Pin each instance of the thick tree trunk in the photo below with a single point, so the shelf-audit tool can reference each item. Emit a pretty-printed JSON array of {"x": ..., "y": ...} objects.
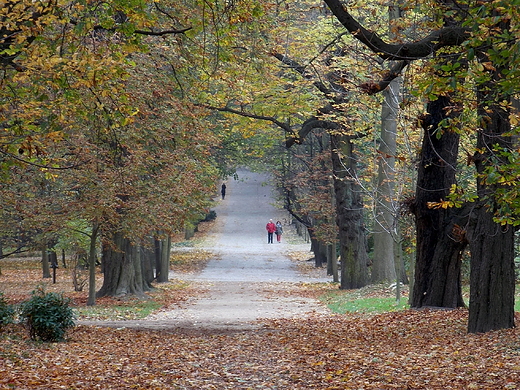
[
  {"x": 148, "y": 261},
  {"x": 439, "y": 247},
  {"x": 349, "y": 207},
  {"x": 163, "y": 275},
  {"x": 492, "y": 279},
  {"x": 320, "y": 252},
  {"x": 383, "y": 267},
  {"x": 492, "y": 276},
  {"x": 122, "y": 269}
]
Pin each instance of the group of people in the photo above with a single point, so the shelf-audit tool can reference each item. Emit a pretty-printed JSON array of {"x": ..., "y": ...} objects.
[{"x": 274, "y": 228}]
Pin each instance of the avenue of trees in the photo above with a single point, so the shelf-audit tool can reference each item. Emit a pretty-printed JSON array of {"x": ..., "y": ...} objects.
[{"x": 391, "y": 129}]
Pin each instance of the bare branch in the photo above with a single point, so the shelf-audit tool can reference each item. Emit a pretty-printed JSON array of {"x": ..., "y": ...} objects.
[
  {"x": 301, "y": 70},
  {"x": 271, "y": 119},
  {"x": 309, "y": 125}
]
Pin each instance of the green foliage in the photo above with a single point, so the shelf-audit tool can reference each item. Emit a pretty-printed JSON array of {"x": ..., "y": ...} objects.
[
  {"x": 358, "y": 302},
  {"x": 6, "y": 311},
  {"x": 47, "y": 315}
]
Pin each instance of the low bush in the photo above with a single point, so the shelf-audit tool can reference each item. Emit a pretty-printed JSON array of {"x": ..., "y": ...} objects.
[
  {"x": 47, "y": 315},
  {"x": 6, "y": 311}
]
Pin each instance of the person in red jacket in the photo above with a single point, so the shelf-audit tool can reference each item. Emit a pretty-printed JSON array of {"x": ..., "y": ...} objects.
[{"x": 271, "y": 228}]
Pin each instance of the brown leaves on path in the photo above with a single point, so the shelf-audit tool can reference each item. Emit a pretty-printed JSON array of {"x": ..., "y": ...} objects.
[{"x": 400, "y": 350}]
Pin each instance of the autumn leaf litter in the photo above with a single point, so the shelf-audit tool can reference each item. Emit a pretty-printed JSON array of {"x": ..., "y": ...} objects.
[{"x": 398, "y": 350}]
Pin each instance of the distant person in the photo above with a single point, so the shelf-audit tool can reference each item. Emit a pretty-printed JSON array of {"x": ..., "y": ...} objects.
[
  {"x": 271, "y": 228},
  {"x": 223, "y": 190},
  {"x": 278, "y": 231}
]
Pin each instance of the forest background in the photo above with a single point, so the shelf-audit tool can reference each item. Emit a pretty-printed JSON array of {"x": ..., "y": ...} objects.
[{"x": 118, "y": 119}]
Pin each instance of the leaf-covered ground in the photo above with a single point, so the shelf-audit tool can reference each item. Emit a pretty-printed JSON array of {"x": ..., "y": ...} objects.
[{"x": 400, "y": 350}]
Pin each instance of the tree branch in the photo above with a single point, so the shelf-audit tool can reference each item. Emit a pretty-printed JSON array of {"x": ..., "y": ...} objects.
[
  {"x": 301, "y": 70},
  {"x": 309, "y": 125},
  {"x": 447, "y": 36},
  {"x": 375, "y": 87},
  {"x": 143, "y": 32},
  {"x": 271, "y": 119},
  {"x": 164, "y": 32}
]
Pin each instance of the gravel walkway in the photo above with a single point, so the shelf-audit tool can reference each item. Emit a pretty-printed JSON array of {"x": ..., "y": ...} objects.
[{"x": 248, "y": 279}]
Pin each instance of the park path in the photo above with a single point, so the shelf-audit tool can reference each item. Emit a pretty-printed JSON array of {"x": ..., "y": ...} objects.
[{"x": 248, "y": 279}]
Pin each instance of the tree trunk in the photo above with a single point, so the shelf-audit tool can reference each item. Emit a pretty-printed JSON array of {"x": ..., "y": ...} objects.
[
  {"x": 63, "y": 260},
  {"x": 320, "y": 252},
  {"x": 122, "y": 269},
  {"x": 439, "y": 250},
  {"x": 148, "y": 260},
  {"x": 492, "y": 277},
  {"x": 383, "y": 266},
  {"x": 349, "y": 207},
  {"x": 163, "y": 275},
  {"x": 46, "y": 271},
  {"x": 157, "y": 252},
  {"x": 91, "y": 301}
]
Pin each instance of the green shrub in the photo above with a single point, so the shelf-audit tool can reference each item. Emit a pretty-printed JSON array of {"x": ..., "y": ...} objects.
[
  {"x": 6, "y": 311},
  {"x": 47, "y": 315}
]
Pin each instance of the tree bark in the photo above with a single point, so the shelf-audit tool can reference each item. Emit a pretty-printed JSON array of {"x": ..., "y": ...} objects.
[
  {"x": 439, "y": 250},
  {"x": 163, "y": 275},
  {"x": 122, "y": 269},
  {"x": 46, "y": 272},
  {"x": 157, "y": 248},
  {"x": 492, "y": 278},
  {"x": 383, "y": 266},
  {"x": 91, "y": 301},
  {"x": 349, "y": 207},
  {"x": 148, "y": 261},
  {"x": 320, "y": 252}
]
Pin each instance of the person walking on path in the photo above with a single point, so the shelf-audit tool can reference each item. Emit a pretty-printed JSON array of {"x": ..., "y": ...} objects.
[
  {"x": 223, "y": 190},
  {"x": 271, "y": 228},
  {"x": 279, "y": 231}
]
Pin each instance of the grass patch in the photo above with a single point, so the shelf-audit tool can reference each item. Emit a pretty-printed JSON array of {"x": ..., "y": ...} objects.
[
  {"x": 366, "y": 305},
  {"x": 134, "y": 308},
  {"x": 379, "y": 299},
  {"x": 370, "y": 299}
]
